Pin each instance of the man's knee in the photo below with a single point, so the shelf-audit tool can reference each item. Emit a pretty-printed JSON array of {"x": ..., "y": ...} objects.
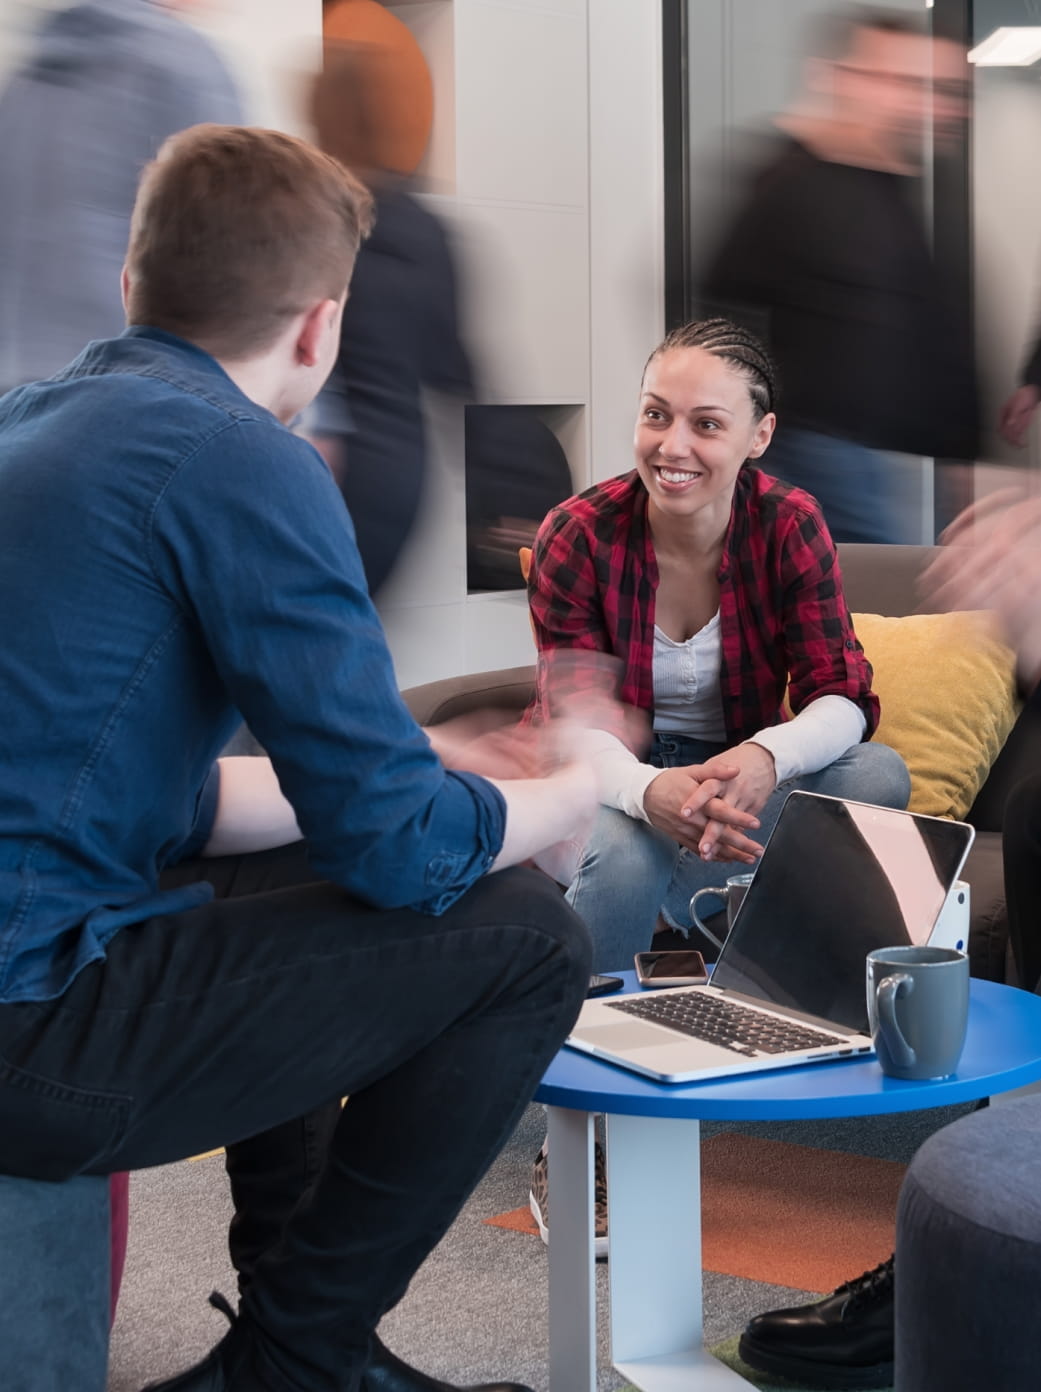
[{"x": 528, "y": 898}]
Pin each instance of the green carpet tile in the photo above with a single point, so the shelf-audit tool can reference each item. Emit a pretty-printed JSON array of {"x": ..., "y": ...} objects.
[{"x": 727, "y": 1353}]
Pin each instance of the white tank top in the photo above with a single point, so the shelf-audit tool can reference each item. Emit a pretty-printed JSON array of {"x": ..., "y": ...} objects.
[{"x": 686, "y": 683}]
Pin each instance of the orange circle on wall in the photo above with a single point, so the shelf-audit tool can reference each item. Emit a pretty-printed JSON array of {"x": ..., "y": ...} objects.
[{"x": 402, "y": 92}]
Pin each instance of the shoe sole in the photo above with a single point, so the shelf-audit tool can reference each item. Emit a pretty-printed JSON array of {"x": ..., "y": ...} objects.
[
  {"x": 599, "y": 1243},
  {"x": 836, "y": 1377}
]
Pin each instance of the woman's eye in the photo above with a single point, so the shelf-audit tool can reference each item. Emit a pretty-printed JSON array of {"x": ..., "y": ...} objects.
[
  {"x": 708, "y": 425},
  {"x": 652, "y": 415}
]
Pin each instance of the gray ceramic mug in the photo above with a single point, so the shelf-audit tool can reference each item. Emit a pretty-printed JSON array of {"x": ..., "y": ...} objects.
[
  {"x": 918, "y": 1009},
  {"x": 731, "y": 895}
]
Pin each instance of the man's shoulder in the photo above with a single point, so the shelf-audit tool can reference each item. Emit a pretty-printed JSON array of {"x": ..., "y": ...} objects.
[
  {"x": 786, "y": 168},
  {"x": 163, "y": 396}
]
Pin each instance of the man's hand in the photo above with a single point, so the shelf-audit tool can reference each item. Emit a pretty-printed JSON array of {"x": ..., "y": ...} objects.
[
  {"x": 1016, "y": 413},
  {"x": 684, "y": 802},
  {"x": 551, "y": 797},
  {"x": 991, "y": 559},
  {"x": 490, "y": 743}
]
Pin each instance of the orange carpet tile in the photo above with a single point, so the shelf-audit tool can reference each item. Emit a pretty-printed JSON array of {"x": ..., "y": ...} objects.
[{"x": 786, "y": 1214}]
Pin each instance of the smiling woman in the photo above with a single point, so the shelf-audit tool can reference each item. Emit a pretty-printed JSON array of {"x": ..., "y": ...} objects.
[{"x": 713, "y": 588}]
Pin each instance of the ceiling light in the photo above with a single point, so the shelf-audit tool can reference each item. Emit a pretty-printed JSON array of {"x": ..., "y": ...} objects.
[{"x": 1008, "y": 48}]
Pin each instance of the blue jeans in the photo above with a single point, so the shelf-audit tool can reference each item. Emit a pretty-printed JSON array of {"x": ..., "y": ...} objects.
[{"x": 630, "y": 871}]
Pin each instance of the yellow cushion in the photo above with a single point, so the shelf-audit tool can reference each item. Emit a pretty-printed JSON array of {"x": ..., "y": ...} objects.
[{"x": 948, "y": 693}]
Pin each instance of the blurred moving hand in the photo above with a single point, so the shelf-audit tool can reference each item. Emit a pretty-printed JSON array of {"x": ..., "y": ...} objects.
[
  {"x": 1016, "y": 414},
  {"x": 520, "y": 759},
  {"x": 991, "y": 559}
]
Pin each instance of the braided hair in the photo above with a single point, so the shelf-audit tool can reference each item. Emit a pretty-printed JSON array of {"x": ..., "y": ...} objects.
[{"x": 736, "y": 346}]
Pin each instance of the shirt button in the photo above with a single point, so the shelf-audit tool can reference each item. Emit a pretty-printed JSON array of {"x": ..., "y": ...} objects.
[{"x": 850, "y": 645}]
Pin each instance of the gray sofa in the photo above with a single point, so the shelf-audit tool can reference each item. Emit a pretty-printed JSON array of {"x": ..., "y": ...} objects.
[{"x": 878, "y": 580}]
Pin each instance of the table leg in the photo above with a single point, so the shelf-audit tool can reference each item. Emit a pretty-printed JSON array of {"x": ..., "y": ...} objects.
[
  {"x": 572, "y": 1266},
  {"x": 654, "y": 1262}
]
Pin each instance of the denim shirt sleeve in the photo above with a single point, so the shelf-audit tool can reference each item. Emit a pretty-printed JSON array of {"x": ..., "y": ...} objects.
[{"x": 253, "y": 542}]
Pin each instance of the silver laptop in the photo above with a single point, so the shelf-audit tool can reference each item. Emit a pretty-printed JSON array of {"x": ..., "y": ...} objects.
[{"x": 836, "y": 880}]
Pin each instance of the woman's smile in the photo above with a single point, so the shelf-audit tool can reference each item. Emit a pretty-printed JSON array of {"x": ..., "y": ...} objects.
[{"x": 673, "y": 478}]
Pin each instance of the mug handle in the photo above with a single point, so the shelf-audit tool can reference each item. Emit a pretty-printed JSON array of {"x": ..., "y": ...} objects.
[
  {"x": 717, "y": 892},
  {"x": 889, "y": 990}
]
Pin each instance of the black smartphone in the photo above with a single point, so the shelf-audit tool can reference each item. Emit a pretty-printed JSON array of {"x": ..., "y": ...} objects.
[
  {"x": 603, "y": 985},
  {"x": 684, "y": 967}
]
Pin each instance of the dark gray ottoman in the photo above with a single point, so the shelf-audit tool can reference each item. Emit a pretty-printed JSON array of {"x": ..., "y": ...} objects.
[{"x": 968, "y": 1256}]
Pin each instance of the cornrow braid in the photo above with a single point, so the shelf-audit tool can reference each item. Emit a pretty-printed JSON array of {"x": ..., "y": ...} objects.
[{"x": 736, "y": 346}]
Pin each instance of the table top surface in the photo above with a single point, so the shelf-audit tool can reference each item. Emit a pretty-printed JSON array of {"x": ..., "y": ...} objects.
[{"x": 1002, "y": 1052}]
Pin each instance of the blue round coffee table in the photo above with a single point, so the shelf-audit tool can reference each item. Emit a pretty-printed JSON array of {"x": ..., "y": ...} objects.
[{"x": 653, "y": 1140}]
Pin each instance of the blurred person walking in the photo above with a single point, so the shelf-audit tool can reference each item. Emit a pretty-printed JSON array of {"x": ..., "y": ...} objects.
[
  {"x": 828, "y": 261},
  {"x": 400, "y": 329},
  {"x": 105, "y": 83}
]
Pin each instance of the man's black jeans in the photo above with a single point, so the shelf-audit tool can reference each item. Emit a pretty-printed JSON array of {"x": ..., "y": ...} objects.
[{"x": 211, "y": 1027}]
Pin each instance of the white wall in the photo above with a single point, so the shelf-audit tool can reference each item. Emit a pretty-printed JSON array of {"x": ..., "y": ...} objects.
[
  {"x": 272, "y": 46},
  {"x": 626, "y": 234},
  {"x": 1007, "y": 209}
]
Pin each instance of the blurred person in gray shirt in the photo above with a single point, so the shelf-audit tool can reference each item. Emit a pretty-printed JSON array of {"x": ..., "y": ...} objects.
[{"x": 104, "y": 84}]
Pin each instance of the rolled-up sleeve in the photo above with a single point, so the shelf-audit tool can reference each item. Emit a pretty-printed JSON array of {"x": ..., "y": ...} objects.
[{"x": 252, "y": 540}]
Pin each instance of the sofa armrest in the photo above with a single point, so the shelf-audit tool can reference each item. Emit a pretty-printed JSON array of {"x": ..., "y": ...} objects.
[{"x": 509, "y": 690}]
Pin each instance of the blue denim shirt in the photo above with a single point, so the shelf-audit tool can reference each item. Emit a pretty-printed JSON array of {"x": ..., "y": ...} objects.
[{"x": 170, "y": 553}]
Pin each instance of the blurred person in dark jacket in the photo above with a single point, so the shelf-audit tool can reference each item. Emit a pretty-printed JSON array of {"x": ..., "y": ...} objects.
[
  {"x": 828, "y": 260},
  {"x": 105, "y": 82},
  {"x": 400, "y": 327}
]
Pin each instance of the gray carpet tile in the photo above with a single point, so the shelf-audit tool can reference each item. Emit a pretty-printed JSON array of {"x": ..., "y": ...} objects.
[{"x": 477, "y": 1308}]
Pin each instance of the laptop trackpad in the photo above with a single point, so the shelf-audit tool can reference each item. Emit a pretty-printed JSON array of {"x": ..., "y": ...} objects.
[{"x": 624, "y": 1038}]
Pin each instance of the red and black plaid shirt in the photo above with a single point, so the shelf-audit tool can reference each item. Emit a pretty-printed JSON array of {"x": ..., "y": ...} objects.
[{"x": 783, "y": 616}]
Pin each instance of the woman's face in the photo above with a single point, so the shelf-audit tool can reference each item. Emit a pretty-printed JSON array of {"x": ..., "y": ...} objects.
[{"x": 695, "y": 429}]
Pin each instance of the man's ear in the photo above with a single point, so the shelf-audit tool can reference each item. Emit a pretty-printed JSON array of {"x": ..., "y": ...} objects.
[{"x": 321, "y": 320}]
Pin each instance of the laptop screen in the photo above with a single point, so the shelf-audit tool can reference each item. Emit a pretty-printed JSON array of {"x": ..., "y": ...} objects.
[{"x": 837, "y": 880}]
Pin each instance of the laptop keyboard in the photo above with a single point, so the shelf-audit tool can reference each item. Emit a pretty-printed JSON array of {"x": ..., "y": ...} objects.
[{"x": 723, "y": 1022}]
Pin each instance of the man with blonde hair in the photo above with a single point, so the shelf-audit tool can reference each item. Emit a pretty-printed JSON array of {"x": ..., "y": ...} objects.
[{"x": 171, "y": 554}]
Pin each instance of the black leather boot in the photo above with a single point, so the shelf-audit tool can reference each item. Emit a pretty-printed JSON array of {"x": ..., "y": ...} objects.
[
  {"x": 226, "y": 1368},
  {"x": 387, "y": 1373},
  {"x": 842, "y": 1341}
]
